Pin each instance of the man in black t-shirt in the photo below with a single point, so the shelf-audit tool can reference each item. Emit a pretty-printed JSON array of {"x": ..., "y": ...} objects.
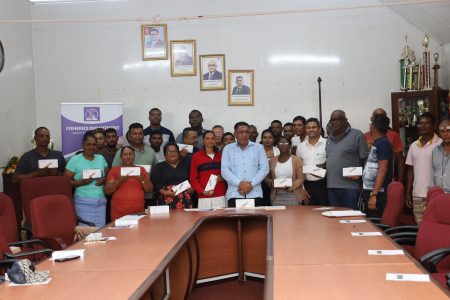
[
  {"x": 28, "y": 165},
  {"x": 377, "y": 172},
  {"x": 155, "y": 117}
]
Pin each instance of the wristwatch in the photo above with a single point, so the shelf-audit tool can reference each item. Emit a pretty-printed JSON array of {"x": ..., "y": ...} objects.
[{"x": 373, "y": 194}]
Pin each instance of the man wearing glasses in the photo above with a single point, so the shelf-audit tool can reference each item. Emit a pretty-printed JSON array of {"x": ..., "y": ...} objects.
[
  {"x": 440, "y": 171},
  {"x": 244, "y": 166},
  {"x": 345, "y": 148},
  {"x": 212, "y": 74}
]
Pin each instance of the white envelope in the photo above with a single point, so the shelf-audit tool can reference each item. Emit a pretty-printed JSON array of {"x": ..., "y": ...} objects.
[
  {"x": 282, "y": 182},
  {"x": 189, "y": 148},
  {"x": 181, "y": 187},
  {"x": 212, "y": 181},
  {"x": 48, "y": 163},
  {"x": 319, "y": 172},
  {"x": 245, "y": 203},
  {"x": 130, "y": 171},
  {"x": 146, "y": 167},
  {"x": 353, "y": 171},
  {"x": 307, "y": 169},
  {"x": 314, "y": 170},
  {"x": 92, "y": 173}
]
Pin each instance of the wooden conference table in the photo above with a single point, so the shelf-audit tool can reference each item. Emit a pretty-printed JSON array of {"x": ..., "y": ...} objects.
[{"x": 302, "y": 254}]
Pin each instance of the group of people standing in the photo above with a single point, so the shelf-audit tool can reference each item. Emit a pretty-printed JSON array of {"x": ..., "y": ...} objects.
[{"x": 298, "y": 153}]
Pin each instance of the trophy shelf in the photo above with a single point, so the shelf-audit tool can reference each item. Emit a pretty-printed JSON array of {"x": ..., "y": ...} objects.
[{"x": 408, "y": 106}]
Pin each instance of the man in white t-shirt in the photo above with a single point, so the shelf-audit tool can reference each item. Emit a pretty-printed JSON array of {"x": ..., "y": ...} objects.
[{"x": 418, "y": 165}]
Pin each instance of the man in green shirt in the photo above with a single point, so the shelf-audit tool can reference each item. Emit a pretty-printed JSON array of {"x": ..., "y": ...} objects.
[{"x": 144, "y": 155}]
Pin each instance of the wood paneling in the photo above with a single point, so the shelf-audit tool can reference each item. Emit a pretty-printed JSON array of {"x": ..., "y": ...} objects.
[
  {"x": 254, "y": 239},
  {"x": 218, "y": 247}
]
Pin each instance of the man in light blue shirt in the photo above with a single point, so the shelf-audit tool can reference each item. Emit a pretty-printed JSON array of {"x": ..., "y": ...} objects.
[{"x": 244, "y": 166}]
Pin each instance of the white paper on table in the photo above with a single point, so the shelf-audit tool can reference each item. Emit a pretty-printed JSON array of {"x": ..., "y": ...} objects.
[
  {"x": 245, "y": 203},
  {"x": 386, "y": 252},
  {"x": 352, "y": 171},
  {"x": 67, "y": 253},
  {"x": 48, "y": 163},
  {"x": 189, "y": 148},
  {"x": 92, "y": 173},
  {"x": 198, "y": 209},
  {"x": 121, "y": 227},
  {"x": 367, "y": 233},
  {"x": 352, "y": 221},
  {"x": 212, "y": 181},
  {"x": 130, "y": 171},
  {"x": 276, "y": 207},
  {"x": 159, "y": 209},
  {"x": 128, "y": 220},
  {"x": 181, "y": 187},
  {"x": 323, "y": 208},
  {"x": 282, "y": 182},
  {"x": 343, "y": 213},
  {"x": 408, "y": 277},
  {"x": 146, "y": 167}
]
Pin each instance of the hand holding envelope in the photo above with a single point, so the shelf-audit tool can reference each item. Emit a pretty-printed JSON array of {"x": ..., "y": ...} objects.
[{"x": 353, "y": 173}]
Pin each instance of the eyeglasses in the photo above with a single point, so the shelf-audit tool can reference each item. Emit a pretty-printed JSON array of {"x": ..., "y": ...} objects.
[
  {"x": 336, "y": 119},
  {"x": 212, "y": 65},
  {"x": 283, "y": 144},
  {"x": 243, "y": 132}
]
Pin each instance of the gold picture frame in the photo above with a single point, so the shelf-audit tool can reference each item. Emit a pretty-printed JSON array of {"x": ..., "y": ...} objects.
[
  {"x": 212, "y": 72},
  {"x": 241, "y": 87},
  {"x": 154, "y": 41},
  {"x": 183, "y": 58}
]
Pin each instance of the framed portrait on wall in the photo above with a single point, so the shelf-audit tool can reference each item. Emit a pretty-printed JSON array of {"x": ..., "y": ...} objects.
[
  {"x": 183, "y": 58},
  {"x": 241, "y": 87},
  {"x": 212, "y": 72},
  {"x": 154, "y": 41}
]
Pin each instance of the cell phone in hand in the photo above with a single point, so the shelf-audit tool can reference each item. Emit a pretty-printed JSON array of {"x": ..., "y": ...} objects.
[{"x": 71, "y": 257}]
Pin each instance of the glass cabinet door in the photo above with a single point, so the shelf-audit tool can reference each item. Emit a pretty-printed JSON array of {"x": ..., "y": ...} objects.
[{"x": 409, "y": 111}]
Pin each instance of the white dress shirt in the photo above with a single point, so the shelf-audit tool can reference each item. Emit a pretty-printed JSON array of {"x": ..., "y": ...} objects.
[{"x": 312, "y": 155}]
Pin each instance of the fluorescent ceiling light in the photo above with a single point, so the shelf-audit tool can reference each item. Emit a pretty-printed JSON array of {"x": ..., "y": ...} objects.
[
  {"x": 304, "y": 59},
  {"x": 66, "y": 1}
]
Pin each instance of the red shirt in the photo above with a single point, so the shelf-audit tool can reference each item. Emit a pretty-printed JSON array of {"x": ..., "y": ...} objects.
[
  {"x": 202, "y": 166},
  {"x": 392, "y": 136},
  {"x": 128, "y": 197}
]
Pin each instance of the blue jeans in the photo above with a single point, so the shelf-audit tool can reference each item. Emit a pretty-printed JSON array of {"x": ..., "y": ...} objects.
[{"x": 343, "y": 197}]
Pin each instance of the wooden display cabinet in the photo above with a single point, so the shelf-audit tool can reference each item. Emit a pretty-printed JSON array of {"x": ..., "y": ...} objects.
[{"x": 408, "y": 106}]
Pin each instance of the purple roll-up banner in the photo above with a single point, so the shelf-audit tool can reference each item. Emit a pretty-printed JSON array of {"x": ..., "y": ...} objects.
[{"x": 77, "y": 118}]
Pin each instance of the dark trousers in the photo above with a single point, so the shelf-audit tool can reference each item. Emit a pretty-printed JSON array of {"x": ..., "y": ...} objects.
[
  {"x": 343, "y": 197},
  {"x": 258, "y": 201},
  {"x": 381, "y": 204},
  {"x": 318, "y": 193},
  {"x": 266, "y": 194}
]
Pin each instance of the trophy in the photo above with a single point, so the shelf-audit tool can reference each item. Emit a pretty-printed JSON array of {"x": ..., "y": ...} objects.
[
  {"x": 436, "y": 67},
  {"x": 405, "y": 61},
  {"x": 426, "y": 63},
  {"x": 403, "y": 116},
  {"x": 420, "y": 106}
]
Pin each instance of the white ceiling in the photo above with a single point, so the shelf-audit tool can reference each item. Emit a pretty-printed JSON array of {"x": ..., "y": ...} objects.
[{"x": 433, "y": 17}]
